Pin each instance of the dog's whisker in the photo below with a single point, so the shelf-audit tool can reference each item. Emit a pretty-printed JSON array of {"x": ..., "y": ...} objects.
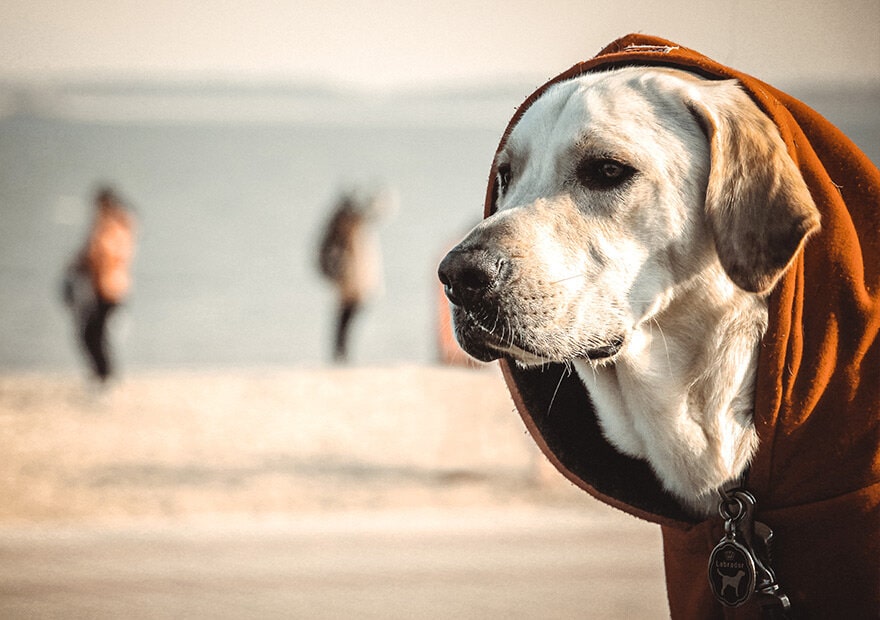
[
  {"x": 665, "y": 344},
  {"x": 566, "y": 279},
  {"x": 497, "y": 316},
  {"x": 566, "y": 372}
]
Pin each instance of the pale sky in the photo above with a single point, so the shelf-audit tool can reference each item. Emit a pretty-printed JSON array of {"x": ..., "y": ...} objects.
[{"x": 376, "y": 43}]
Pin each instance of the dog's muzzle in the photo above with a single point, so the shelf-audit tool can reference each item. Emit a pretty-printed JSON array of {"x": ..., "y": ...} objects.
[{"x": 492, "y": 319}]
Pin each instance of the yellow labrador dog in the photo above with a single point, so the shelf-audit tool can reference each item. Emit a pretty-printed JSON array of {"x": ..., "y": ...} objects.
[{"x": 641, "y": 216}]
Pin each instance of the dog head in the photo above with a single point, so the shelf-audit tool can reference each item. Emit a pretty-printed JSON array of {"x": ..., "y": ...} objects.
[{"x": 614, "y": 192}]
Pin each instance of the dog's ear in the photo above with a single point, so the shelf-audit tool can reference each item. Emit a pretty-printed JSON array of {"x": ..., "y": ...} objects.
[{"x": 757, "y": 203}]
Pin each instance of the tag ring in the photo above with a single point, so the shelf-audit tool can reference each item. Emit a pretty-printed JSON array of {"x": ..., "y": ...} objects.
[{"x": 731, "y": 508}]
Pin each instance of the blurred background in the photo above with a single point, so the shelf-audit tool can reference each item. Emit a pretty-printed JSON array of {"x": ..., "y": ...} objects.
[
  {"x": 231, "y": 130},
  {"x": 230, "y": 450}
]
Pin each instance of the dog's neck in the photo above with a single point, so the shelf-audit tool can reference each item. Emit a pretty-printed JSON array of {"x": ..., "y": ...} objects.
[{"x": 680, "y": 395}]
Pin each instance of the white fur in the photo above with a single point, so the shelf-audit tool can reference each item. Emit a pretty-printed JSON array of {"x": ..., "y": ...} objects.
[{"x": 639, "y": 263}]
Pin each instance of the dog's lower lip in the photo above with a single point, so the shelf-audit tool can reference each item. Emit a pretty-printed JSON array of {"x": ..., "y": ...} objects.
[
  {"x": 604, "y": 352},
  {"x": 506, "y": 347}
]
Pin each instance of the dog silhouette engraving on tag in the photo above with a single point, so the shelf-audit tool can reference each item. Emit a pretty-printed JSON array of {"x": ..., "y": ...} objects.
[{"x": 731, "y": 573}]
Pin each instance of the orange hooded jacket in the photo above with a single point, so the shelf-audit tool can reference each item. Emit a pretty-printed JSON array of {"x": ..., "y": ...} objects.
[
  {"x": 108, "y": 254},
  {"x": 816, "y": 474}
]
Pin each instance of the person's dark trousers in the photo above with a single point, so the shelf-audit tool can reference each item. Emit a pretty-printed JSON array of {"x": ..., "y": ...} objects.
[
  {"x": 94, "y": 336},
  {"x": 346, "y": 312}
]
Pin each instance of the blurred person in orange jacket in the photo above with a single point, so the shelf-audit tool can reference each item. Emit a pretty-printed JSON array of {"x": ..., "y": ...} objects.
[{"x": 99, "y": 278}]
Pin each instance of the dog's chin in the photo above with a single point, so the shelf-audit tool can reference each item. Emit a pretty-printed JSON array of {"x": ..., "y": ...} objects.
[
  {"x": 480, "y": 351},
  {"x": 599, "y": 356},
  {"x": 485, "y": 346}
]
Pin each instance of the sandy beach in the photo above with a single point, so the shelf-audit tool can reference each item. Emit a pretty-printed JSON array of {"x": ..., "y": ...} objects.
[{"x": 387, "y": 492}]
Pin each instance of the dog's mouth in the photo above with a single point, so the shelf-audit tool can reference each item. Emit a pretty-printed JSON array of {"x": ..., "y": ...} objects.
[
  {"x": 479, "y": 341},
  {"x": 606, "y": 351},
  {"x": 488, "y": 343}
]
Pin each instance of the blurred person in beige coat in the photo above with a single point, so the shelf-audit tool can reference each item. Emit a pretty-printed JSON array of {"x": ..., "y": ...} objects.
[{"x": 350, "y": 257}]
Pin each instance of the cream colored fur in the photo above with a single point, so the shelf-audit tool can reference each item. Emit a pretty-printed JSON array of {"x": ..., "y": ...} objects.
[{"x": 675, "y": 263}]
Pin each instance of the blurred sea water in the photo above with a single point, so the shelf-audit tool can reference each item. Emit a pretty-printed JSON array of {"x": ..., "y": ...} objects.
[{"x": 232, "y": 186}]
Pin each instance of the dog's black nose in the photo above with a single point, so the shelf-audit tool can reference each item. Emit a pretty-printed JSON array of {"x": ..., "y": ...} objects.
[{"x": 468, "y": 274}]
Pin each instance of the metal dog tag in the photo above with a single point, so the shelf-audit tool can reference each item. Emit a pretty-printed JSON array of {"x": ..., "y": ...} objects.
[
  {"x": 739, "y": 565},
  {"x": 731, "y": 573},
  {"x": 732, "y": 568}
]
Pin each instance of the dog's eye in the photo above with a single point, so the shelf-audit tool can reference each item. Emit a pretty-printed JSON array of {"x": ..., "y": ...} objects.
[
  {"x": 503, "y": 178},
  {"x": 604, "y": 173}
]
